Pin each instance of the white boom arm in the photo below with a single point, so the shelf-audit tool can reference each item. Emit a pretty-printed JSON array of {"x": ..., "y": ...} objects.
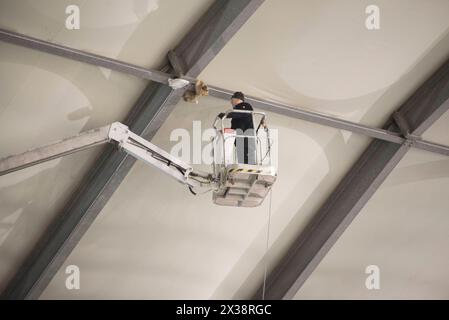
[
  {"x": 125, "y": 139},
  {"x": 149, "y": 153}
]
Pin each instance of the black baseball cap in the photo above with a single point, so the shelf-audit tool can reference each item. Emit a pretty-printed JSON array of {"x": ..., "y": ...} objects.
[{"x": 238, "y": 95}]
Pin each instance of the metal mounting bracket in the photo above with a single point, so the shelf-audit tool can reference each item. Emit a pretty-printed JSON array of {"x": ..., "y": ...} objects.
[{"x": 403, "y": 126}]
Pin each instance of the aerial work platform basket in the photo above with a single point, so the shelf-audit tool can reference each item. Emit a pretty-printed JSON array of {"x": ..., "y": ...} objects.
[{"x": 242, "y": 184}]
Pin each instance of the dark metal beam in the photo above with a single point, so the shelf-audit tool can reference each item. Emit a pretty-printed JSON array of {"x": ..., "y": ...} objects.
[
  {"x": 422, "y": 109},
  {"x": 179, "y": 66},
  {"x": 384, "y": 133},
  {"x": 222, "y": 20},
  {"x": 82, "y": 56}
]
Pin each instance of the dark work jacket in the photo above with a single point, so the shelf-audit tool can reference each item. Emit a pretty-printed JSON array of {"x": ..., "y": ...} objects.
[{"x": 241, "y": 121}]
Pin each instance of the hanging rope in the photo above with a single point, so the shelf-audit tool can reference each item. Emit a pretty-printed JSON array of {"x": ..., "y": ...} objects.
[{"x": 266, "y": 248}]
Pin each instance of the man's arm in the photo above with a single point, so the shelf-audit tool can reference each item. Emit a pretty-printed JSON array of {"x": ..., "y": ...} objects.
[{"x": 233, "y": 115}]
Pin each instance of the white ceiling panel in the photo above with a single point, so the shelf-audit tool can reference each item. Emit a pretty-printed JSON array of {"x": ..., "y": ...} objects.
[
  {"x": 402, "y": 230},
  {"x": 44, "y": 98},
  {"x": 319, "y": 55},
  {"x": 139, "y": 31},
  {"x": 156, "y": 240}
]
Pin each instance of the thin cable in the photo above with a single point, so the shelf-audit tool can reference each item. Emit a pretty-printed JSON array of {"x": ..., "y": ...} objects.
[
  {"x": 266, "y": 248},
  {"x": 200, "y": 193}
]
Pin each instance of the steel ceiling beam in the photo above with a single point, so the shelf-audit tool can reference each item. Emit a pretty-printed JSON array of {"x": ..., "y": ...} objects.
[
  {"x": 82, "y": 56},
  {"x": 162, "y": 77},
  {"x": 418, "y": 113},
  {"x": 201, "y": 44},
  {"x": 384, "y": 134}
]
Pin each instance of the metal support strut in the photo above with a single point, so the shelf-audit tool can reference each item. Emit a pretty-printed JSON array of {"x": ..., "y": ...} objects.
[{"x": 401, "y": 122}]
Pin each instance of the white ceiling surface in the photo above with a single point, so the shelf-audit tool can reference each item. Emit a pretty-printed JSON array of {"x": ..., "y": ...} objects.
[
  {"x": 139, "y": 31},
  {"x": 403, "y": 230},
  {"x": 320, "y": 56},
  {"x": 45, "y": 98},
  {"x": 154, "y": 239}
]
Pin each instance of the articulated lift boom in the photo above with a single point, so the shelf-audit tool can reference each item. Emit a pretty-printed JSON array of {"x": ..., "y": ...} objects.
[
  {"x": 118, "y": 134},
  {"x": 232, "y": 185}
]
